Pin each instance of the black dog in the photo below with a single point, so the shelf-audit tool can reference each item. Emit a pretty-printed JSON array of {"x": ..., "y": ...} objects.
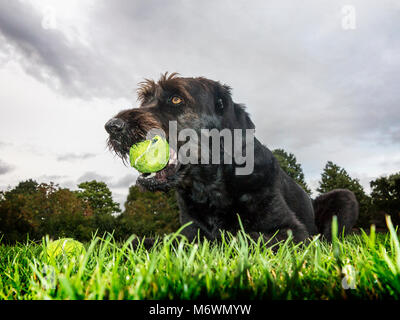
[{"x": 212, "y": 196}]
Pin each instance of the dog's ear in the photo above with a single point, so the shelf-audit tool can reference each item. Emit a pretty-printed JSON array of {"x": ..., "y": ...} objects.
[{"x": 234, "y": 115}]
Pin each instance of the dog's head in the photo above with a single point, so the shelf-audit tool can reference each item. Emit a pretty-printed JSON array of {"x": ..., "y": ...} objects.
[{"x": 189, "y": 103}]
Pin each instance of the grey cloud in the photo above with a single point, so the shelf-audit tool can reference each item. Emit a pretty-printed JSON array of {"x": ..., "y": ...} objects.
[
  {"x": 90, "y": 175},
  {"x": 69, "y": 184},
  {"x": 4, "y": 144},
  {"x": 78, "y": 69},
  {"x": 74, "y": 156},
  {"x": 52, "y": 178},
  {"x": 390, "y": 163},
  {"x": 124, "y": 182},
  {"x": 121, "y": 183},
  {"x": 5, "y": 167}
]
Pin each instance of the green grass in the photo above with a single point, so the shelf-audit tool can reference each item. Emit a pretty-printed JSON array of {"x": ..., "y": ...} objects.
[{"x": 235, "y": 268}]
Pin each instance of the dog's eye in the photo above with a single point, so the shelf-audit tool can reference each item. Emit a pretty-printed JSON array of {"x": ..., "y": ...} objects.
[{"x": 176, "y": 100}]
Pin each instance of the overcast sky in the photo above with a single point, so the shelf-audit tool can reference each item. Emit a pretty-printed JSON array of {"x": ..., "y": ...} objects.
[{"x": 312, "y": 86}]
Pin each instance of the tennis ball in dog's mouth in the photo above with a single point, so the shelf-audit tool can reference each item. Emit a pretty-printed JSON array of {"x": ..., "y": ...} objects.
[
  {"x": 150, "y": 155},
  {"x": 65, "y": 246}
]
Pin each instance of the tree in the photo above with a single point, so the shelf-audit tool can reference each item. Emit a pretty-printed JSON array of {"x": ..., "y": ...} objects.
[
  {"x": 335, "y": 177},
  {"x": 60, "y": 213},
  {"x": 99, "y": 197},
  {"x": 15, "y": 223},
  {"x": 24, "y": 187},
  {"x": 386, "y": 195},
  {"x": 45, "y": 209},
  {"x": 148, "y": 213},
  {"x": 289, "y": 164}
]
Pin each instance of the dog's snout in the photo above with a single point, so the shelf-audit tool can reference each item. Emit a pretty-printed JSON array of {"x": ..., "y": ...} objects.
[{"x": 115, "y": 125}]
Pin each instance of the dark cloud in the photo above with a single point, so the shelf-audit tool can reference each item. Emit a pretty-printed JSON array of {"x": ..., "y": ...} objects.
[
  {"x": 50, "y": 56},
  {"x": 5, "y": 167},
  {"x": 74, "y": 156}
]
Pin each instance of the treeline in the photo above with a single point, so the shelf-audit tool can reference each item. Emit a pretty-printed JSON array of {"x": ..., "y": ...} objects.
[
  {"x": 33, "y": 210},
  {"x": 385, "y": 191}
]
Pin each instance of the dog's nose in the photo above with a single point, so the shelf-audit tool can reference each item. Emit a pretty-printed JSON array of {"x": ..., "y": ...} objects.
[{"x": 115, "y": 125}]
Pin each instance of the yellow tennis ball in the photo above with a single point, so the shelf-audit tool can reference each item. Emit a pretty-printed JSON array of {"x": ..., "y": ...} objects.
[
  {"x": 150, "y": 156},
  {"x": 65, "y": 247}
]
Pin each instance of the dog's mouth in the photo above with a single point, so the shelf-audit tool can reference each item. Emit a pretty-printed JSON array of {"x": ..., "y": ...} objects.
[
  {"x": 162, "y": 177},
  {"x": 160, "y": 180}
]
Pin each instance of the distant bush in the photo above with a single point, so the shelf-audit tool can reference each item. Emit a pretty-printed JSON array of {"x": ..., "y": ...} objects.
[{"x": 386, "y": 196}]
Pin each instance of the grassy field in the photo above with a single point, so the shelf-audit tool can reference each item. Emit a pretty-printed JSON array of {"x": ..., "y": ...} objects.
[{"x": 356, "y": 267}]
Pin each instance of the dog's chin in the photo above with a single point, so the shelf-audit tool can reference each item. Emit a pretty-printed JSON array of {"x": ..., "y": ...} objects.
[{"x": 162, "y": 180}]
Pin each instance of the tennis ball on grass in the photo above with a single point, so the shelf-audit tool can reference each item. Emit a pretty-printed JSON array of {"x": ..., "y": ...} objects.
[
  {"x": 150, "y": 155},
  {"x": 65, "y": 246}
]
